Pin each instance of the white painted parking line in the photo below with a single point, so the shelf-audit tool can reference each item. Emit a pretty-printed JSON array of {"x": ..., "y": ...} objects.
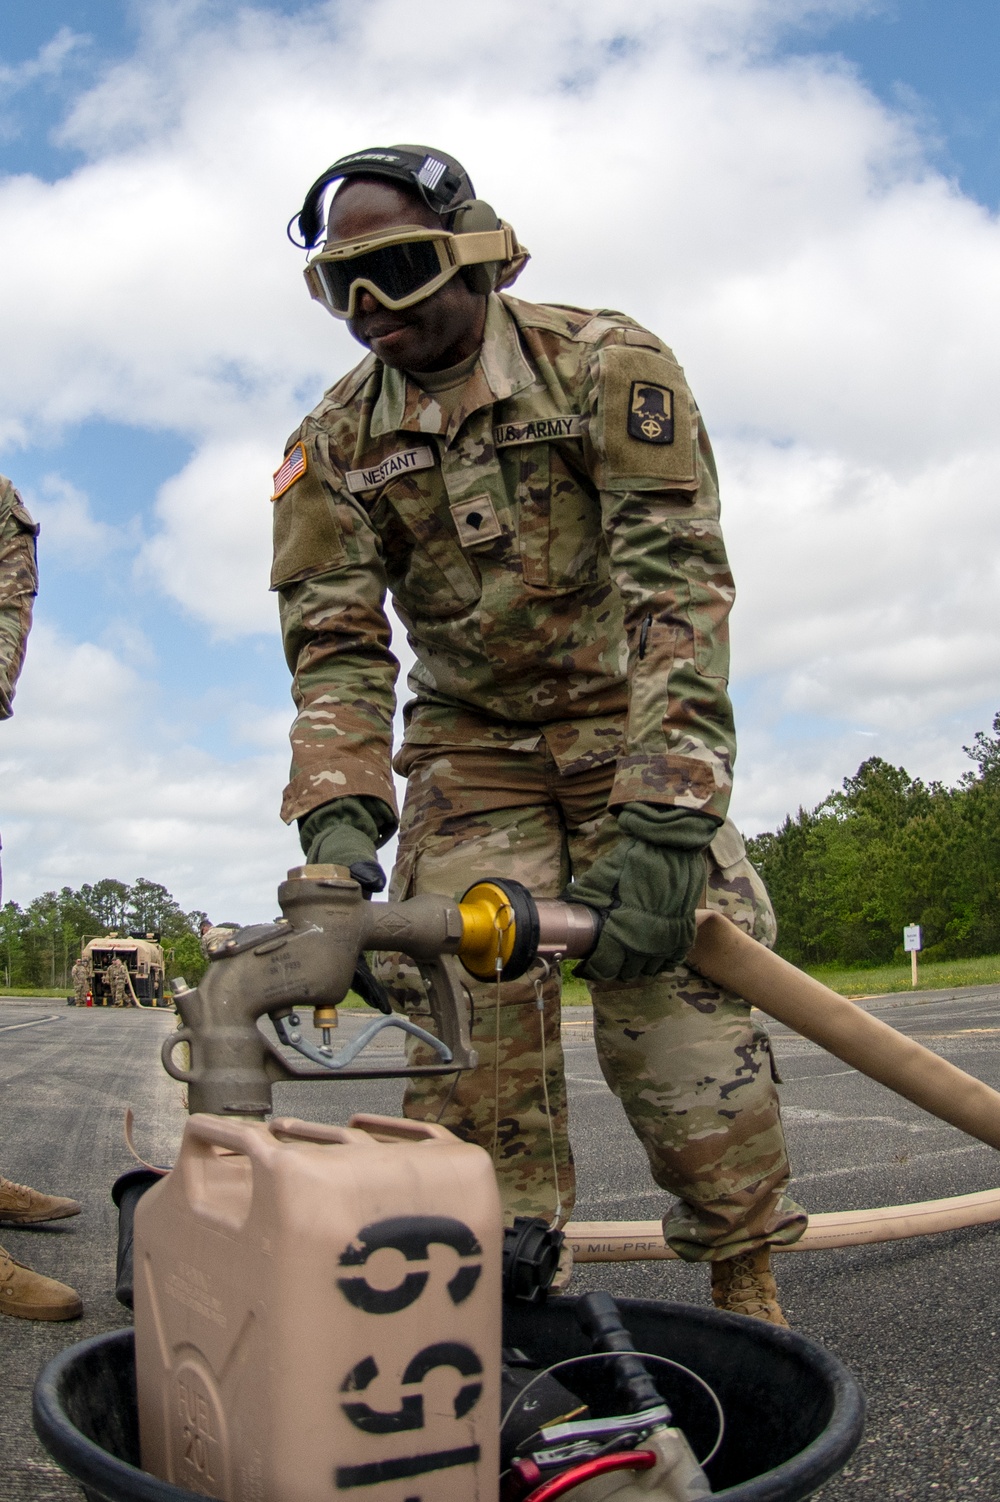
[
  {"x": 911, "y": 1160},
  {"x": 10, "y": 1027}
]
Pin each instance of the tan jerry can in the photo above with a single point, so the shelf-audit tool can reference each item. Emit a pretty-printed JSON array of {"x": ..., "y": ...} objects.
[{"x": 317, "y": 1314}]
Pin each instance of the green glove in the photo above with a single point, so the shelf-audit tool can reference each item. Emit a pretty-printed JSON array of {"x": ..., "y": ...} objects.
[
  {"x": 648, "y": 888},
  {"x": 346, "y": 832}
]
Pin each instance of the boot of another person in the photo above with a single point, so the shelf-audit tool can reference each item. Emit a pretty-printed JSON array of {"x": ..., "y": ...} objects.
[
  {"x": 21, "y": 1206},
  {"x": 29, "y": 1295},
  {"x": 745, "y": 1285}
]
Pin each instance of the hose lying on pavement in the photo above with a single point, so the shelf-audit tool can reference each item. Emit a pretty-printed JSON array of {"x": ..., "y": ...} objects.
[
  {"x": 726, "y": 955},
  {"x": 642, "y": 1240}
]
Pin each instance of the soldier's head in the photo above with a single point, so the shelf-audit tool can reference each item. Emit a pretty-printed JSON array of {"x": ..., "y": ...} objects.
[
  {"x": 411, "y": 254},
  {"x": 440, "y": 329}
]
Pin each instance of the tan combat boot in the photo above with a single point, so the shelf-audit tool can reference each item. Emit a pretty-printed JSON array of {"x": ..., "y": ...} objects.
[
  {"x": 745, "y": 1285},
  {"x": 21, "y": 1206},
  {"x": 29, "y": 1295}
]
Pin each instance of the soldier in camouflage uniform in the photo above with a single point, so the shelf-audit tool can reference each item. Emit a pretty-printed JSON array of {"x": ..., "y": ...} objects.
[
  {"x": 18, "y": 588},
  {"x": 534, "y": 486},
  {"x": 117, "y": 979},
  {"x": 24, "y": 1293},
  {"x": 213, "y": 935},
  {"x": 81, "y": 981}
]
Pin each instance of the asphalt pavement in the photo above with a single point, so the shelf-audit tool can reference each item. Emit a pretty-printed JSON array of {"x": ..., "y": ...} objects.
[{"x": 915, "y": 1320}]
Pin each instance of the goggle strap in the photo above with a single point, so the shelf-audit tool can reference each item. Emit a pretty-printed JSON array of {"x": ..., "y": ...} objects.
[
  {"x": 482, "y": 245},
  {"x": 459, "y": 250}
]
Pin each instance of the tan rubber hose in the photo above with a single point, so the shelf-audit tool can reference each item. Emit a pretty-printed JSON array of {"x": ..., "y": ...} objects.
[
  {"x": 726, "y": 955},
  {"x": 642, "y": 1240}
]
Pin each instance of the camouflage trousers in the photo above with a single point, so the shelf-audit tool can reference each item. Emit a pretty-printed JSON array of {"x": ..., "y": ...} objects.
[{"x": 690, "y": 1064}]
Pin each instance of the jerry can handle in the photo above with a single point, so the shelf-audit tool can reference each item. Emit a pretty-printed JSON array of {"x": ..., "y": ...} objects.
[
  {"x": 400, "y": 1127},
  {"x": 215, "y": 1131},
  {"x": 227, "y": 1202},
  {"x": 284, "y": 1127}
]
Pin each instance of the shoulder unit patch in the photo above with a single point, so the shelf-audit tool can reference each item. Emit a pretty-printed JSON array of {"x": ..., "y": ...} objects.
[{"x": 651, "y": 413}]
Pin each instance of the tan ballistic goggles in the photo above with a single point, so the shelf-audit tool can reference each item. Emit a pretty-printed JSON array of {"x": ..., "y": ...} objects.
[{"x": 400, "y": 266}]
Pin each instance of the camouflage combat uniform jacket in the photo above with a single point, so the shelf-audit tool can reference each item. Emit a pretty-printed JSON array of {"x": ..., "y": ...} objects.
[
  {"x": 552, "y": 545},
  {"x": 18, "y": 588}
]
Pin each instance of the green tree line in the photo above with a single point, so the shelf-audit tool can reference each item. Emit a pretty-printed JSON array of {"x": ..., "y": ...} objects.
[
  {"x": 39, "y": 943},
  {"x": 885, "y": 851}
]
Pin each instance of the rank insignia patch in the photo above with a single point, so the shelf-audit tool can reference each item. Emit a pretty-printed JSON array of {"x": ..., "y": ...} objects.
[
  {"x": 476, "y": 521},
  {"x": 651, "y": 413}
]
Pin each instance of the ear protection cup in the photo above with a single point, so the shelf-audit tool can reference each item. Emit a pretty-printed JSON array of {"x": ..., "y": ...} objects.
[{"x": 468, "y": 218}]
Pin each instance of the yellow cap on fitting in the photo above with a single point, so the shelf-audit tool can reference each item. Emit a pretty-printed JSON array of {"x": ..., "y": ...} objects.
[{"x": 489, "y": 930}]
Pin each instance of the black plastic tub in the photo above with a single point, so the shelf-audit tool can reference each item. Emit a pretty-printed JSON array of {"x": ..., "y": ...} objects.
[{"x": 794, "y": 1414}]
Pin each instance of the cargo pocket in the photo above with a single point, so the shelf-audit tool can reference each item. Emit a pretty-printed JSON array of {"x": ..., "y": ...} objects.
[
  {"x": 648, "y": 698},
  {"x": 710, "y": 598},
  {"x": 432, "y": 576},
  {"x": 559, "y": 524}
]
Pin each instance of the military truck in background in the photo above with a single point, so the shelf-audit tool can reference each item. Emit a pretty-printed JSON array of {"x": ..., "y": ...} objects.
[{"x": 142, "y": 956}]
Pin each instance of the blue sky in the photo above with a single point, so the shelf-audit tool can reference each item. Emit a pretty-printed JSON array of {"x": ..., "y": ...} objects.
[
  {"x": 119, "y": 467},
  {"x": 150, "y": 154},
  {"x": 942, "y": 61}
]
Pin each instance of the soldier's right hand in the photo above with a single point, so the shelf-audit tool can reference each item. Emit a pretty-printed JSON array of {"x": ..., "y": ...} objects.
[
  {"x": 647, "y": 889},
  {"x": 343, "y": 833}
]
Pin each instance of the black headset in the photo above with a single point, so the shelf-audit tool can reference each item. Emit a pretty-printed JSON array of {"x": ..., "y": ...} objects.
[{"x": 441, "y": 181}]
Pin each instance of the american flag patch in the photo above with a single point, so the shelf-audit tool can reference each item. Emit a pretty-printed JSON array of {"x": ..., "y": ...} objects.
[
  {"x": 431, "y": 172},
  {"x": 293, "y": 467}
]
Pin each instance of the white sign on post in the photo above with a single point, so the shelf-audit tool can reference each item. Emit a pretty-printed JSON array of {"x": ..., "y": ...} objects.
[{"x": 912, "y": 943}]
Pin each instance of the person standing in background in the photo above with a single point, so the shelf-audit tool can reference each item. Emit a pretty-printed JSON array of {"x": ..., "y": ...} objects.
[
  {"x": 81, "y": 981},
  {"x": 118, "y": 981},
  {"x": 24, "y": 1293}
]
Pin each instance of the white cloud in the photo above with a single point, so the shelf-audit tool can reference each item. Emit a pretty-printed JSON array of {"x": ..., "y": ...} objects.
[
  {"x": 101, "y": 785},
  {"x": 213, "y": 549},
  {"x": 71, "y": 530},
  {"x": 833, "y": 298},
  {"x": 887, "y": 579}
]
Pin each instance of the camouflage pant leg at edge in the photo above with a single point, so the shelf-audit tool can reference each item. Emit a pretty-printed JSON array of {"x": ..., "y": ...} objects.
[{"x": 693, "y": 1070}]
